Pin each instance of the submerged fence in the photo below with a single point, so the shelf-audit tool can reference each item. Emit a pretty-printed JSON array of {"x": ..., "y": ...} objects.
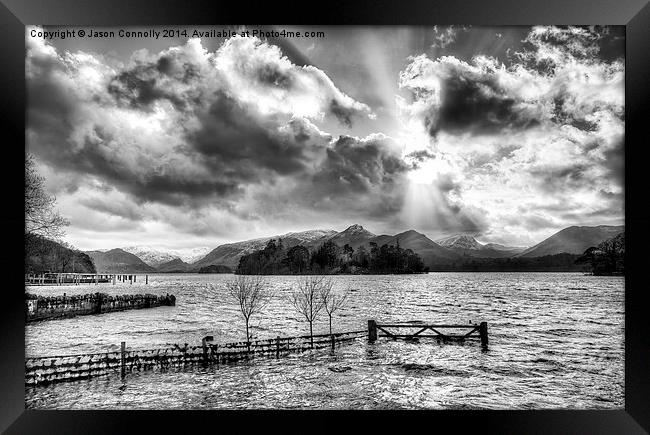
[
  {"x": 52, "y": 307},
  {"x": 45, "y": 370},
  {"x": 50, "y": 369}
]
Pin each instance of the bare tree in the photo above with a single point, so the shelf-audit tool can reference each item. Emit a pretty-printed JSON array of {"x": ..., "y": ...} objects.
[
  {"x": 332, "y": 300},
  {"x": 307, "y": 300},
  {"x": 40, "y": 216},
  {"x": 252, "y": 294}
]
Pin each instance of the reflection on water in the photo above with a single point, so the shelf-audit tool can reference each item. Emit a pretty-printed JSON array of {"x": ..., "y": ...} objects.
[{"x": 556, "y": 341}]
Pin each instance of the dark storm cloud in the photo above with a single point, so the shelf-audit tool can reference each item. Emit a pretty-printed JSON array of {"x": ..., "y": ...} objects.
[
  {"x": 556, "y": 179},
  {"x": 185, "y": 126},
  {"x": 124, "y": 210},
  {"x": 273, "y": 76},
  {"x": 421, "y": 155},
  {"x": 476, "y": 106},
  {"x": 614, "y": 161},
  {"x": 354, "y": 165},
  {"x": 343, "y": 114},
  {"x": 139, "y": 89},
  {"x": 546, "y": 126},
  {"x": 233, "y": 142},
  {"x": 483, "y": 97}
]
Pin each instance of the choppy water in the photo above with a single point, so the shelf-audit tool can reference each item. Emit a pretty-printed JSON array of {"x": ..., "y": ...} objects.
[{"x": 556, "y": 341}]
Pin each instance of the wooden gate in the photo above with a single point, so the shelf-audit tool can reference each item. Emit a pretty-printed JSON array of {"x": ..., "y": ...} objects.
[{"x": 411, "y": 331}]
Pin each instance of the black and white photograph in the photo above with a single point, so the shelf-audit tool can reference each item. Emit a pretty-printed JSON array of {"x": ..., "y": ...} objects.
[{"x": 325, "y": 217}]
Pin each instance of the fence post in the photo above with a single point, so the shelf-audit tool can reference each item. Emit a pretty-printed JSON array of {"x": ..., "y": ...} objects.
[
  {"x": 277, "y": 347},
  {"x": 204, "y": 343},
  {"x": 123, "y": 358},
  {"x": 372, "y": 330},
  {"x": 483, "y": 332},
  {"x": 205, "y": 350},
  {"x": 146, "y": 279}
]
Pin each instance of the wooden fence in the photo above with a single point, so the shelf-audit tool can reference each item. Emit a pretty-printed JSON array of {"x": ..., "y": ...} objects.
[
  {"x": 52, "y": 307},
  {"x": 472, "y": 330},
  {"x": 45, "y": 370},
  {"x": 50, "y": 369}
]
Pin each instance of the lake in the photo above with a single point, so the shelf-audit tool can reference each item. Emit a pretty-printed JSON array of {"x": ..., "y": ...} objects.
[{"x": 556, "y": 341}]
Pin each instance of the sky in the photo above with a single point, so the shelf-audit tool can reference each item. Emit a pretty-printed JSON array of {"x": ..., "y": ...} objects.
[{"x": 509, "y": 134}]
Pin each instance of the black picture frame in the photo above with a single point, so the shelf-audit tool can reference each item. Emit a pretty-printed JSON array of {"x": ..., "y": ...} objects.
[{"x": 634, "y": 14}]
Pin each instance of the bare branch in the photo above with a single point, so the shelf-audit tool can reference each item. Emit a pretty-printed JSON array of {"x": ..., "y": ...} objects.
[
  {"x": 40, "y": 215},
  {"x": 332, "y": 301},
  {"x": 306, "y": 299}
]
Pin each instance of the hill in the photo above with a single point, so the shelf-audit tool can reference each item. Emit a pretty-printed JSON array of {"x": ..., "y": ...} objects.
[
  {"x": 573, "y": 240},
  {"x": 468, "y": 246},
  {"x": 229, "y": 254},
  {"x": 510, "y": 249},
  {"x": 355, "y": 236},
  {"x": 153, "y": 257},
  {"x": 430, "y": 252},
  {"x": 173, "y": 266},
  {"x": 118, "y": 261},
  {"x": 460, "y": 241},
  {"x": 44, "y": 255}
]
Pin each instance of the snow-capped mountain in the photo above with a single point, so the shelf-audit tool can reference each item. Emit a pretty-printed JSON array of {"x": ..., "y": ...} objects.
[
  {"x": 460, "y": 241},
  {"x": 190, "y": 255},
  {"x": 355, "y": 236},
  {"x": 155, "y": 257},
  {"x": 468, "y": 245}
]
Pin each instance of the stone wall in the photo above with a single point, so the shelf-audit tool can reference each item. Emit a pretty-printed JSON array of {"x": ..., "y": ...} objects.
[{"x": 51, "y": 307}]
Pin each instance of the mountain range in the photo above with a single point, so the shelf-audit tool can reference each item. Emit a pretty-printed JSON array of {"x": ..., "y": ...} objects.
[
  {"x": 573, "y": 240},
  {"x": 118, "y": 261},
  {"x": 469, "y": 246},
  {"x": 448, "y": 250}
]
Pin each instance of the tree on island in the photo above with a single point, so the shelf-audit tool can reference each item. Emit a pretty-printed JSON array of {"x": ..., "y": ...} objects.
[
  {"x": 252, "y": 294},
  {"x": 297, "y": 259},
  {"x": 608, "y": 258},
  {"x": 307, "y": 299},
  {"x": 326, "y": 256}
]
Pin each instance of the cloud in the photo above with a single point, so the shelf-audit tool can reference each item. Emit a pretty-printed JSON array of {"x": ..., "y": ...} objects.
[
  {"x": 164, "y": 126},
  {"x": 237, "y": 142},
  {"x": 223, "y": 135},
  {"x": 548, "y": 126},
  {"x": 445, "y": 35}
]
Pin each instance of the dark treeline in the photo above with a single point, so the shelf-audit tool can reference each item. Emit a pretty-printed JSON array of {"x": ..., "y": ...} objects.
[
  {"x": 329, "y": 258},
  {"x": 44, "y": 255},
  {"x": 608, "y": 258},
  {"x": 213, "y": 268},
  {"x": 548, "y": 263}
]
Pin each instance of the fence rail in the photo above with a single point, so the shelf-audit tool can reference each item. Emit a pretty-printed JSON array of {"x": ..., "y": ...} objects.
[
  {"x": 471, "y": 330},
  {"x": 39, "y": 307},
  {"x": 50, "y": 369}
]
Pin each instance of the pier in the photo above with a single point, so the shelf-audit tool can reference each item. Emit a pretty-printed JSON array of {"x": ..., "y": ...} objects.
[
  {"x": 51, "y": 278},
  {"x": 53, "y": 307},
  {"x": 50, "y": 369}
]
